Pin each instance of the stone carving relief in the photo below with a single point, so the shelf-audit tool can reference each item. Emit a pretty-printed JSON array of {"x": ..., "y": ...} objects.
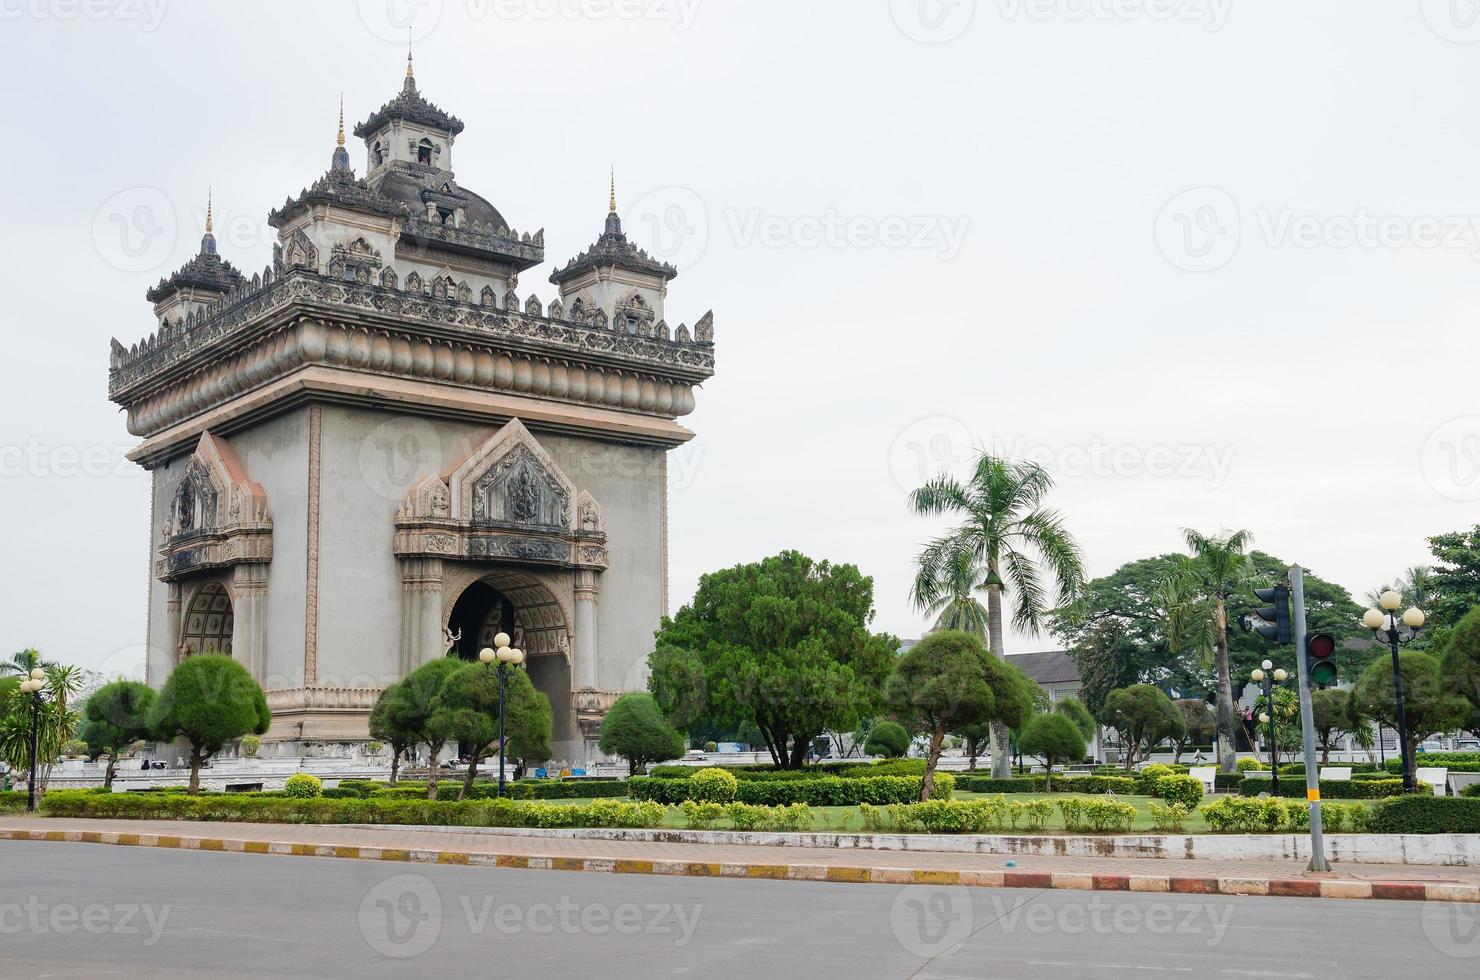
[{"x": 217, "y": 516}]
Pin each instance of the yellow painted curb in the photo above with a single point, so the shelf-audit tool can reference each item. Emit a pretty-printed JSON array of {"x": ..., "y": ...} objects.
[
  {"x": 626, "y": 867},
  {"x": 774, "y": 872},
  {"x": 394, "y": 854},
  {"x": 452, "y": 857},
  {"x": 847, "y": 874},
  {"x": 924, "y": 876}
]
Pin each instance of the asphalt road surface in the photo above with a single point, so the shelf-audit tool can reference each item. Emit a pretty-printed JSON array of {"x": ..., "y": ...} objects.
[{"x": 82, "y": 910}]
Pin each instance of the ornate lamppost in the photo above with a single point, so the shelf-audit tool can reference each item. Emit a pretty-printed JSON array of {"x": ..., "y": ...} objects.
[
  {"x": 1263, "y": 674},
  {"x": 1384, "y": 624},
  {"x": 505, "y": 655},
  {"x": 32, "y": 685}
]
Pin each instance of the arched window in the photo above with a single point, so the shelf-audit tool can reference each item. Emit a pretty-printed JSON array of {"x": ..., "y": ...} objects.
[
  {"x": 424, "y": 151},
  {"x": 377, "y": 155}
]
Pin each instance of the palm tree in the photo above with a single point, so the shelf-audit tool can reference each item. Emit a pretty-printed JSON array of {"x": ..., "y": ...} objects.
[
  {"x": 948, "y": 594},
  {"x": 1007, "y": 540},
  {"x": 1197, "y": 593},
  {"x": 23, "y": 663}
]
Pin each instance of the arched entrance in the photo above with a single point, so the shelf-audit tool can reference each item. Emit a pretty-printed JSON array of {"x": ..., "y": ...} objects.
[
  {"x": 527, "y": 607},
  {"x": 208, "y": 621}
]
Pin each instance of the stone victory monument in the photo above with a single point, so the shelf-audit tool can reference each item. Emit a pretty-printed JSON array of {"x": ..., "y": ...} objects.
[{"x": 374, "y": 450}]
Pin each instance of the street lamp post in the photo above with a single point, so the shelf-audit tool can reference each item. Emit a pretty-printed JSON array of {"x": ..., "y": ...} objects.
[
  {"x": 32, "y": 685},
  {"x": 1264, "y": 674},
  {"x": 1384, "y": 626},
  {"x": 505, "y": 655}
]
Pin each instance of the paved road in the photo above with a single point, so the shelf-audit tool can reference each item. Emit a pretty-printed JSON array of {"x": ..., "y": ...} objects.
[{"x": 81, "y": 910}]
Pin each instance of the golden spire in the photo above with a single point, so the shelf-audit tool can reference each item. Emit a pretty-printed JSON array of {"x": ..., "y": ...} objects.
[
  {"x": 208, "y": 210},
  {"x": 409, "y": 72},
  {"x": 341, "y": 118},
  {"x": 612, "y": 205}
]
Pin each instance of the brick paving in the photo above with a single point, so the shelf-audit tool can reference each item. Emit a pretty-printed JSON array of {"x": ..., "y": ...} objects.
[{"x": 460, "y": 846}]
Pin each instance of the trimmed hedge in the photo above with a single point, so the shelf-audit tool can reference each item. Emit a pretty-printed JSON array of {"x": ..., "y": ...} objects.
[
  {"x": 1427, "y": 815},
  {"x": 241, "y": 807},
  {"x": 12, "y": 801},
  {"x": 820, "y": 791},
  {"x": 1253, "y": 815},
  {"x": 1120, "y": 785},
  {"x": 1331, "y": 789},
  {"x": 528, "y": 789},
  {"x": 1453, "y": 761},
  {"x": 844, "y": 770}
]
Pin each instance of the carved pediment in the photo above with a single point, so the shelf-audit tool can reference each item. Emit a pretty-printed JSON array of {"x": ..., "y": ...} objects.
[
  {"x": 217, "y": 514},
  {"x": 512, "y": 480}
]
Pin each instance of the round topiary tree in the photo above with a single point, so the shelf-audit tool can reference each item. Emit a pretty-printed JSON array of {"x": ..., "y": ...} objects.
[
  {"x": 410, "y": 711},
  {"x": 713, "y": 785},
  {"x": 636, "y": 730},
  {"x": 114, "y": 718},
  {"x": 467, "y": 709},
  {"x": 888, "y": 739},
  {"x": 208, "y": 700},
  {"x": 1052, "y": 738},
  {"x": 302, "y": 786},
  {"x": 1143, "y": 716}
]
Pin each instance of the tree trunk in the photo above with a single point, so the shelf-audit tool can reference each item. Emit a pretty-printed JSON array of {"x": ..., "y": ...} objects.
[
  {"x": 432, "y": 751},
  {"x": 472, "y": 773},
  {"x": 973, "y": 748},
  {"x": 1048, "y": 774},
  {"x": 799, "y": 746},
  {"x": 195, "y": 760},
  {"x": 927, "y": 784},
  {"x": 1001, "y": 736},
  {"x": 1227, "y": 755},
  {"x": 108, "y": 773},
  {"x": 395, "y": 765},
  {"x": 1325, "y": 752}
]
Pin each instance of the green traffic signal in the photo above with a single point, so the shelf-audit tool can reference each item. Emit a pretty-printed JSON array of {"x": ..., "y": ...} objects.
[{"x": 1320, "y": 658}]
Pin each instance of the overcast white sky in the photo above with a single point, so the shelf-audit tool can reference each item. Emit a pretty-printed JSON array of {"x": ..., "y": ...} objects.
[{"x": 1214, "y": 262}]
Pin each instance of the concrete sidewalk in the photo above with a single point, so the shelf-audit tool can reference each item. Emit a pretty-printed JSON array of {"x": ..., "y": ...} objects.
[{"x": 455, "y": 846}]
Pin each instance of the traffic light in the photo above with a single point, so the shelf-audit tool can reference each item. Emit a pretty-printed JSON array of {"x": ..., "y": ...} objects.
[
  {"x": 1276, "y": 615},
  {"x": 1320, "y": 659}
]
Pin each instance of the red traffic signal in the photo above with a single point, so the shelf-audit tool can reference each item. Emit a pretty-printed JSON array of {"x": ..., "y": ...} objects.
[{"x": 1320, "y": 658}]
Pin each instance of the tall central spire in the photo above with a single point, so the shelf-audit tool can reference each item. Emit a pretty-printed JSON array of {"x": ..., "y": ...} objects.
[
  {"x": 410, "y": 85},
  {"x": 341, "y": 119},
  {"x": 612, "y": 205}
]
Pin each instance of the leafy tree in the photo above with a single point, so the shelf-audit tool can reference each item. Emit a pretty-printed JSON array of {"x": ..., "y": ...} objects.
[
  {"x": 1331, "y": 717},
  {"x": 1199, "y": 724},
  {"x": 1053, "y": 738},
  {"x": 889, "y": 739},
  {"x": 1143, "y": 716},
  {"x": 783, "y": 644},
  {"x": 467, "y": 709},
  {"x": 208, "y": 700},
  {"x": 55, "y": 726},
  {"x": 636, "y": 730},
  {"x": 1455, "y": 579},
  {"x": 1459, "y": 656},
  {"x": 114, "y": 718},
  {"x": 380, "y": 730},
  {"x": 948, "y": 680},
  {"x": 21, "y": 664},
  {"x": 409, "y": 711},
  {"x": 947, "y": 593},
  {"x": 974, "y": 738},
  {"x": 1012, "y": 539},
  {"x": 1075, "y": 711},
  {"x": 1429, "y": 704},
  {"x": 1285, "y": 714}
]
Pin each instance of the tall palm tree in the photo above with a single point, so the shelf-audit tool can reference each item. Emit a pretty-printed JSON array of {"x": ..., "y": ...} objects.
[
  {"x": 23, "y": 663},
  {"x": 1011, "y": 540},
  {"x": 1197, "y": 591}
]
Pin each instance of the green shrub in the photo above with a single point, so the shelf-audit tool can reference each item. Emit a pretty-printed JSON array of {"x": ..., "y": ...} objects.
[
  {"x": 1036, "y": 784},
  {"x": 1427, "y": 815},
  {"x": 302, "y": 786},
  {"x": 702, "y": 814},
  {"x": 1182, "y": 790},
  {"x": 873, "y": 817},
  {"x": 820, "y": 791},
  {"x": 12, "y": 801},
  {"x": 1245, "y": 762},
  {"x": 887, "y": 738},
  {"x": 1033, "y": 814},
  {"x": 712, "y": 785},
  {"x": 796, "y": 817},
  {"x": 249, "y": 746},
  {"x": 1147, "y": 776},
  {"x": 1472, "y": 790},
  {"x": 361, "y": 787},
  {"x": 711, "y": 747},
  {"x": 340, "y": 793},
  {"x": 1168, "y": 817},
  {"x": 1248, "y": 815},
  {"x": 747, "y": 817},
  {"x": 985, "y": 784},
  {"x": 1096, "y": 815},
  {"x": 817, "y": 770}
]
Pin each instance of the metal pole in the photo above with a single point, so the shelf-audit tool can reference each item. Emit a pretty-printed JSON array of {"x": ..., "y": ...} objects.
[
  {"x": 502, "y": 681},
  {"x": 1403, "y": 748},
  {"x": 1307, "y": 725},
  {"x": 1274, "y": 753},
  {"x": 35, "y": 739}
]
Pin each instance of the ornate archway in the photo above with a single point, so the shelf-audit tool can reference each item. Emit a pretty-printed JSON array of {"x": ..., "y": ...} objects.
[{"x": 209, "y": 622}]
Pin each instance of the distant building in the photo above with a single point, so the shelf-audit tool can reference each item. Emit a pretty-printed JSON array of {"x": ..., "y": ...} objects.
[{"x": 1054, "y": 670}]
